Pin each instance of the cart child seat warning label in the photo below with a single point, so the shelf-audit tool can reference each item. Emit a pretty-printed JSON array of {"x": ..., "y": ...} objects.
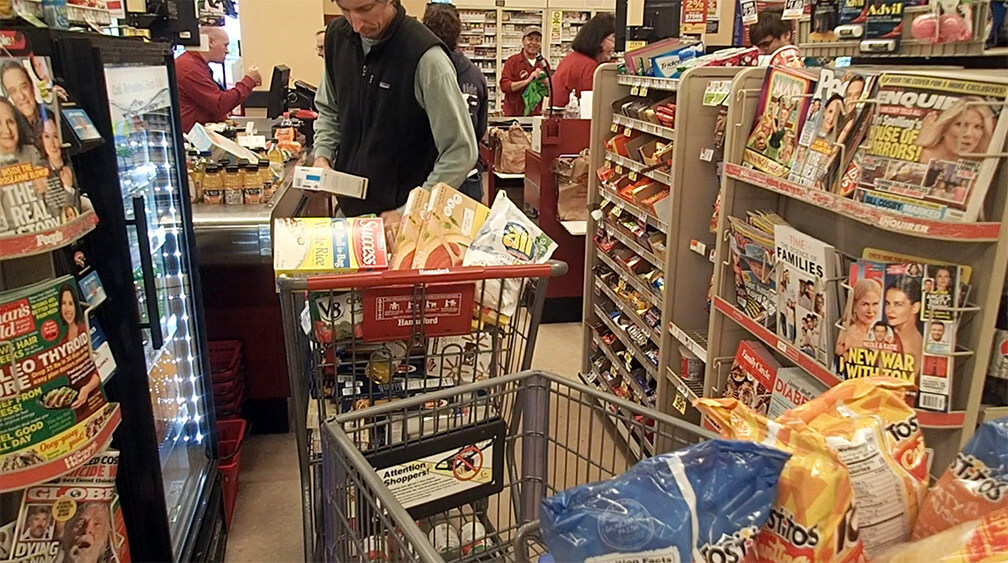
[
  {"x": 446, "y": 471},
  {"x": 439, "y": 475}
]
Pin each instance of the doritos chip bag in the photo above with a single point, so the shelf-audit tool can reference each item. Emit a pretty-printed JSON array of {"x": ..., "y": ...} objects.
[
  {"x": 975, "y": 485},
  {"x": 812, "y": 519},
  {"x": 976, "y": 541},
  {"x": 876, "y": 435}
]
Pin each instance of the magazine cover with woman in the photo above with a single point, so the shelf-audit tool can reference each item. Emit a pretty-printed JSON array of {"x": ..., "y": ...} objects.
[
  {"x": 38, "y": 190},
  {"x": 924, "y": 152}
]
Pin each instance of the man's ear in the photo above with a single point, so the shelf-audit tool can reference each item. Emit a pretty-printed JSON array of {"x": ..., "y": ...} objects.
[{"x": 788, "y": 36}]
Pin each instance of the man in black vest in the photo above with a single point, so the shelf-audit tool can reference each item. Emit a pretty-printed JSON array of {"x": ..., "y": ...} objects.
[{"x": 390, "y": 108}]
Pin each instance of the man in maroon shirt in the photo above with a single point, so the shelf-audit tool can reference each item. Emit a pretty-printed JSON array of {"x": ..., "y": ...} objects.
[
  {"x": 201, "y": 99},
  {"x": 520, "y": 69}
]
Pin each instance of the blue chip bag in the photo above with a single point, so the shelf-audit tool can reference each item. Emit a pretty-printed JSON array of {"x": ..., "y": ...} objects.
[
  {"x": 975, "y": 485},
  {"x": 703, "y": 503}
]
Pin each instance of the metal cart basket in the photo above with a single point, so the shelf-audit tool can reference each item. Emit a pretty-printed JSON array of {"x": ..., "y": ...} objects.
[
  {"x": 458, "y": 474},
  {"x": 360, "y": 340}
]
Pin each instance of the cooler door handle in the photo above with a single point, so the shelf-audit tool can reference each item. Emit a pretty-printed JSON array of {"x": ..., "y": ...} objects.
[{"x": 147, "y": 270}]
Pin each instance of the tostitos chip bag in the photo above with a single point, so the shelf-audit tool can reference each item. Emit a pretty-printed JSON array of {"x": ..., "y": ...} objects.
[
  {"x": 876, "y": 435},
  {"x": 975, "y": 485},
  {"x": 812, "y": 519},
  {"x": 976, "y": 541}
]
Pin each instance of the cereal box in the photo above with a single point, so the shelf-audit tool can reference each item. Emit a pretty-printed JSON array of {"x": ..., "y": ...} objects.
[
  {"x": 451, "y": 225},
  {"x": 404, "y": 249},
  {"x": 323, "y": 245}
]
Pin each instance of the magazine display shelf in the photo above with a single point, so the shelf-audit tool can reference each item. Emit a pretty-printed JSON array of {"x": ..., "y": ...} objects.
[
  {"x": 850, "y": 227},
  {"x": 31, "y": 244},
  {"x": 908, "y": 46},
  {"x": 694, "y": 186}
]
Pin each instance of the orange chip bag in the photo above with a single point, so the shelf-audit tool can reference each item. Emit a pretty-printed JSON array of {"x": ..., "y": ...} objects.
[
  {"x": 976, "y": 541},
  {"x": 813, "y": 517},
  {"x": 876, "y": 435}
]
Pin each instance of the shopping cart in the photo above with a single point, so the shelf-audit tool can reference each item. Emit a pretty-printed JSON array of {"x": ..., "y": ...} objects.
[
  {"x": 359, "y": 340},
  {"x": 458, "y": 474}
]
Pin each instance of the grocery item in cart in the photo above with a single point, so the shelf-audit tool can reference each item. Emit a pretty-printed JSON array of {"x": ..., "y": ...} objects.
[
  {"x": 813, "y": 517},
  {"x": 406, "y": 239},
  {"x": 975, "y": 485},
  {"x": 984, "y": 540},
  {"x": 877, "y": 436},
  {"x": 451, "y": 222},
  {"x": 507, "y": 237},
  {"x": 705, "y": 502},
  {"x": 324, "y": 245}
]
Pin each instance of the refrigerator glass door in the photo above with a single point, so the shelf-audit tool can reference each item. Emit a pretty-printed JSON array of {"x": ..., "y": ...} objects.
[{"x": 149, "y": 171}]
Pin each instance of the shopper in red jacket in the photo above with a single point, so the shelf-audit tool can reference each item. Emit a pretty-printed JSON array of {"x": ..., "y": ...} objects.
[
  {"x": 201, "y": 99},
  {"x": 593, "y": 45},
  {"x": 520, "y": 69}
]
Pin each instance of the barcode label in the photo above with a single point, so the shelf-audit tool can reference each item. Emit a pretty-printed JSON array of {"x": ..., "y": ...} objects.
[{"x": 931, "y": 402}]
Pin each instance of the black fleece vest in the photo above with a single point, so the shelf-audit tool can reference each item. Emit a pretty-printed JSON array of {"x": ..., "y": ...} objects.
[{"x": 384, "y": 133}]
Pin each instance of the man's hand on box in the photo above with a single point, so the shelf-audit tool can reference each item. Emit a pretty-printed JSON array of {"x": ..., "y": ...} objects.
[
  {"x": 392, "y": 219},
  {"x": 253, "y": 73},
  {"x": 322, "y": 162}
]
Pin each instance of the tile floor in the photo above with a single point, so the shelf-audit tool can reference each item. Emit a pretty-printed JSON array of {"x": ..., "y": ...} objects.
[{"x": 267, "y": 521}]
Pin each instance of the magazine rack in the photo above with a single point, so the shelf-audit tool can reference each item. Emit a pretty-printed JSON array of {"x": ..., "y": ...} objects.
[
  {"x": 689, "y": 244},
  {"x": 850, "y": 227}
]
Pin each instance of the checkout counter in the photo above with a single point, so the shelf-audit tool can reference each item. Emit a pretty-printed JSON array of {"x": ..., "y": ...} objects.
[{"x": 234, "y": 253}]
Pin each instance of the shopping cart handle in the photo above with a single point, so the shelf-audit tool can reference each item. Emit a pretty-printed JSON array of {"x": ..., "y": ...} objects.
[{"x": 391, "y": 278}]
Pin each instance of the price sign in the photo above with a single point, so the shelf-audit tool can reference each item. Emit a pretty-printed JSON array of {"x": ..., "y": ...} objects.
[
  {"x": 627, "y": 131},
  {"x": 643, "y": 90},
  {"x": 619, "y": 169},
  {"x": 618, "y": 211},
  {"x": 694, "y": 17},
  {"x": 614, "y": 128},
  {"x": 608, "y": 165},
  {"x": 635, "y": 91},
  {"x": 749, "y": 15},
  {"x": 716, "y": 92},
  {"x": 679, "y": 403},
  {"x": 706, "y": 154},
  {"x": 633, "y": 176},
  {"x": 793, "y": 9},
  {"x": 632, "y": 45}
]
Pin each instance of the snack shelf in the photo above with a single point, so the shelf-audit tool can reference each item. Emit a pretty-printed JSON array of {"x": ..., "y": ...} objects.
[
  {"x": 30, "y": 244},
  {"x": 666, "y": 133},
  {"x": 639, "y": 395},
  {"x": 626, "y": 309},
  {"x": 869, "y": 215},
  {"x": 647, "y": 83},
  {"x": 632, "y": 439},
  {"x": 633, "y": 245},
  {"x": 688, "y": 391},
  {"x": 907, "y": 48},
  {"x": 638, "y": 167},
  {"x": 928, "y": 419},
  {"x": 614, "y": 198},
  {"x": 694, "y": 340},
  {"x": 646, "y": 290},
  {"x": 628, "y": 342}
]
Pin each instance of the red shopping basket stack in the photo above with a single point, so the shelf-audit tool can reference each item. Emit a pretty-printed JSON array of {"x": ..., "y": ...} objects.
[
  {"x": 227, "y": 370},
  {"x": 229, "y": 441}
]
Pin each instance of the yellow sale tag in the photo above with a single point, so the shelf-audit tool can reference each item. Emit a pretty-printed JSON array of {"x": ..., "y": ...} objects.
[
  {"x": 635, "y": 91},
  {"x": 614, "y": 128},
  {"x": 627, "y": 131},
  {"x": 643, "y": 90},
  {"x": 617, "y": 211},
  {"x": 608, "y": 165},
  {"x": 619, "y": 169},
  {"x": 633, "y": 176},
  {"x": 679, "y": 403}
]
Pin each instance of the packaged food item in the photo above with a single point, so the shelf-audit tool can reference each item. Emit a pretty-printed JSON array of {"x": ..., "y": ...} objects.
[
  {"x": 704, "y": 503},
  {"x": 405, "y": 243},
  {"x": 232, "y": 184},
  {"x": 473, "y": 537},
  {"x": 876, "y": 435},
  {"x": 984, "y": 540},
  {"x": 452, "y": 221},
  {"x": 323, "y": 245},
  {"x": 213, "y": 185},
  {"x": 812, "y": 518},
  {"x": 975, "y": 485},
  {"x": 252, "y": 187},
  {"x": 444, "y": 538},
  {"x": 507, "y": 237}
]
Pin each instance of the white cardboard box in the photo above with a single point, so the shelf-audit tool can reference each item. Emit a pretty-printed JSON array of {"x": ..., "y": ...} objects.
[{"x": 327, "y": 180}]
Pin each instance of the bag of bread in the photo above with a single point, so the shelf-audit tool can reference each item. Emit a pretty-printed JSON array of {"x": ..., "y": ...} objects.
[
  {"x": 451, "y": 221},
  {"x": 975, "y": 485},
  {"x": 812, "y": 519},
  {"x": 873, "y": 431},
  {"x": 406, "y": 238},
  {"x": 977, "y": 541}
]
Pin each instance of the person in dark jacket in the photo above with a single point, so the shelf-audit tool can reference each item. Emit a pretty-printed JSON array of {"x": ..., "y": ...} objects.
[
  {"x": 390, "y": 108},
  {"x": 444, "y": 21}
]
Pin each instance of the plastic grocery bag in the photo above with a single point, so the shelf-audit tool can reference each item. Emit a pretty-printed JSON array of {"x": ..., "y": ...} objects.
[
  {"x": 702, "y": 503},
  {"x": 975, "y": 485},
  {"x": 812, "y": 518}
]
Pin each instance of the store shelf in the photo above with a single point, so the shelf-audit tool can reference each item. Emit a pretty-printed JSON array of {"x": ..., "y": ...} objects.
[
  {"x": 907, "y": 48},
  {"x": 867, "y": 214},
  {"x": 632, "y": 439},
  {"x": 612, "y": 197},
  {"x": 694, "y": 340},
  {"x": 30, "y": 244},
  {"x": 640, "y": 396},
  {"x": 643, "y": 288},
  {"x": 635, "y": 350},
  {"x": 952, "y": 420},
  {"x": 647, "y": 82},
  {"x": 633, "y": 245},
  {"x": 644, "y": 126},
  {"x": 639, "y": 167},
  {"x": 629, "y": 311}
]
